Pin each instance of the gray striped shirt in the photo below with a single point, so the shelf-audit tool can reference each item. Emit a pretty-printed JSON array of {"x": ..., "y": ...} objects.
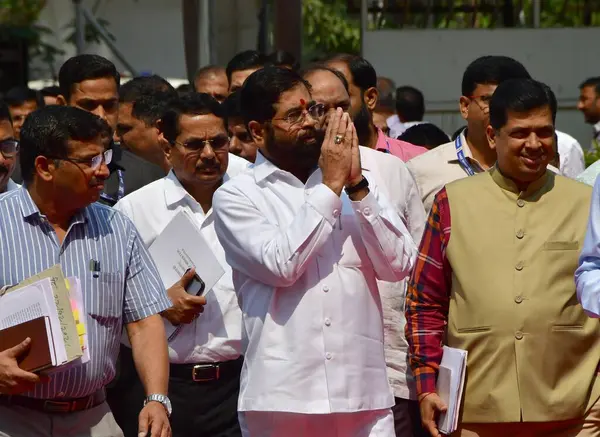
[{"x": 127, "y": 288}]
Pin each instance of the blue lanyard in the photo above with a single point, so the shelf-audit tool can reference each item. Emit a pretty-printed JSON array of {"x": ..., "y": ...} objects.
[
  {"x": 462, "y": 159},
  {"x": 120, "y": 190}
]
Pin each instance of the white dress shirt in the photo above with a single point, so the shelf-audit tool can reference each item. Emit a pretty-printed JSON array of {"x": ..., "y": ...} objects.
[
  {"x": 215, "y": 336},
  {"x": 305, "y": 266},
  {"x": 572, "y": 162},
  {"x": 397, "y": 127},
  {"x": 395, "y": 181}
]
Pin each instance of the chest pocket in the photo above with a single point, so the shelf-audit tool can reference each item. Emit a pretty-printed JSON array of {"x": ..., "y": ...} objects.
[{"x": 104, "y": 301}]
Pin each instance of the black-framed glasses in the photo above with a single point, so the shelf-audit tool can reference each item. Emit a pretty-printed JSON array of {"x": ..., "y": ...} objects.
[
  {"x": 93, "y": 163},
  {"x": 220, "y": 142},
  {"x": 296, "y": 116},
  {"x": 9, "y": 148}
]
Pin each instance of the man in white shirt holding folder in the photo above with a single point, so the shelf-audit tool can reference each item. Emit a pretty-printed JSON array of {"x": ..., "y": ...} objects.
[
  {"x": 205, "y": 354},
  {"x": 307, "y": 233}
]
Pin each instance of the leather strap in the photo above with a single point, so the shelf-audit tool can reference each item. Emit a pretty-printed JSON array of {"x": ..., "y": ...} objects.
[{"x": 56, "y": 406}]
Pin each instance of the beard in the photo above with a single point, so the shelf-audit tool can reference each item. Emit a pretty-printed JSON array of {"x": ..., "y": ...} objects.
[
  {"x": 362, "y": 123},
  {"x": 301, "y": 152}
]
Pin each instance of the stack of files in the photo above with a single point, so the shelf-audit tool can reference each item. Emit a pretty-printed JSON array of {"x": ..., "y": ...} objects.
[
  {"x": 50, "y": 310},
  {"x": 450, "y": 386},
  {"x": 181, "y": 246}
]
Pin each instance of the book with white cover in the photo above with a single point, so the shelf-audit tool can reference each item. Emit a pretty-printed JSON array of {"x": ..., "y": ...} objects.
[{"x": 450, "y": 386}]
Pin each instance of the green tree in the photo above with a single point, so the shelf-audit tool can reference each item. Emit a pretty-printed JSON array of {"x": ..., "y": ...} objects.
[{"x": 328, "y": 28}]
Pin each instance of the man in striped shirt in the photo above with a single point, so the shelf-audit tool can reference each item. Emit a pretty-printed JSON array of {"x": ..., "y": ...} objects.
[{"x": 52, "y": 220}]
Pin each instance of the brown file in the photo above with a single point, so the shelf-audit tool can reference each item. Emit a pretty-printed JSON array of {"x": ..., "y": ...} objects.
[{"x": 38, "y": 357}]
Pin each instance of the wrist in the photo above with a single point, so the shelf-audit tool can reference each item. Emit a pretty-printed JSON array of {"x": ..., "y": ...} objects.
[
  {"x": 355, "y": 181},
  {"x": 336, "y": 187},
  {"x": 424, "y": 395}
]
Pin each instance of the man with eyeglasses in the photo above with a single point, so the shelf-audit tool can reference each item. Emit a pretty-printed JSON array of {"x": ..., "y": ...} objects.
[
  {"x": 55, "y": 218},
  {"x": 205, "y": 354},
  {"x": 307, "y": 232},
  {"x": 470, "y": 152},
  {"x": 9, "y": 149}
]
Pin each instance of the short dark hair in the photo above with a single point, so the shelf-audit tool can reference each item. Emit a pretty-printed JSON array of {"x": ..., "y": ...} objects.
[
  {"x": 386, "y": 88},
  {"x": 47, "y": 131},
  {"x": 189, "y": 104},
  {"x": 150, "y": 96},
  {"x": 232, "y": 106},
  {"x": 312, "y": 68},
  {"x": 207, "y": 70},
  {"x": 263, "y": 89},
  {"x": 425, "y": 134},
  {"x": 491, "y": 70},
  {"x": 18, "y": 95},
  {"x": 50, "y": 91},
  {"x": 592, "y": 81},
  {"x": 5, "y": 112},
  {"x": 244, "y": 61},
  {"x": 85, "y": 67},
  {"x": 520, "y": 95},
  {"x": 146, "y": 86},
  {"x": 363, "y": 73},
  {"x": 410, "y": 103},
  {"x": 281, "y": 58}
]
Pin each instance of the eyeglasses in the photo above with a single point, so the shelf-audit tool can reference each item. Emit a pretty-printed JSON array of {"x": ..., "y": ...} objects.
[
  {"x": 93, "y": 163},
  {"x": 9, "y": 148},
  {"x": 218, "y": 143},
  {"x": 316, "y": 111},
  {"x": 485, "y": 103}
]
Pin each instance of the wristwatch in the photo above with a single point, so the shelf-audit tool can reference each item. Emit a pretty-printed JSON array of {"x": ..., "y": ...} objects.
[
  {"x": 164, "y": 400},
  {"x": 364, "y": 183}
]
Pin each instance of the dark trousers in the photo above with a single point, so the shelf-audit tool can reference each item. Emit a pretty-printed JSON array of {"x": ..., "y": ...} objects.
[
  {"x": 200, "y": 409},
  {"x": 407, "y": 419}
]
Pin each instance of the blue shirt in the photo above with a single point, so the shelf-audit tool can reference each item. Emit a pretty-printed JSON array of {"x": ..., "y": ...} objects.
[
  {"x": 127, "y": 288},
  {"x": 587, "y": 275}
]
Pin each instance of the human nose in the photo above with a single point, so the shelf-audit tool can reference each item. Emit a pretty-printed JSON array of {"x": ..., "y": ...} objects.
[
  {"x": 100, "y": 112},
  {"x": 207, "y": 151},
  {"x": 580, "y": 105},
  {"x": 235, "y": 146}
]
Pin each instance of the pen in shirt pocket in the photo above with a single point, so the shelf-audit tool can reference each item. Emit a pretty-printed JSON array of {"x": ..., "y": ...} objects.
[{"x": 95, "y": 268}]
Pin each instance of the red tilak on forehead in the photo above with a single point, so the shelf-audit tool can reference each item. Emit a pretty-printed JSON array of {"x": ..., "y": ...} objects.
[{"x": 302, "y": 102}]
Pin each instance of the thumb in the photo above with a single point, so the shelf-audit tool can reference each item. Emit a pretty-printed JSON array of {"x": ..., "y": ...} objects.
[
  {"x": 197, "y": 300},
  {"x": 440, "y": 405},
  {"x": 143, "y": 423},
  {"x": 187, "y": 277},
  {"x": 20, "y": 349}
]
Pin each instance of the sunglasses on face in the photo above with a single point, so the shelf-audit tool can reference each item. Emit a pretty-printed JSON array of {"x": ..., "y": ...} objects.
[
  {"x": 219, "y": 142},
  {"x": 9, "y": 148}
]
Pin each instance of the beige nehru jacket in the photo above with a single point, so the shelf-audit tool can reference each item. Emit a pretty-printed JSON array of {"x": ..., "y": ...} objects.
[{"x": 533, "y": 353}]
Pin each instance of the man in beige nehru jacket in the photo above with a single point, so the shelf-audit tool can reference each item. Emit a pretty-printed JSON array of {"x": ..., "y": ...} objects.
[{"x": 494, "y": 276}]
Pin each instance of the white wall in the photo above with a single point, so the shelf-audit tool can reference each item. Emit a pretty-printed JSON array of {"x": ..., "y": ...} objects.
[
  {"x": 434, "y": 61},
  {"x": 150, "y": 33}
]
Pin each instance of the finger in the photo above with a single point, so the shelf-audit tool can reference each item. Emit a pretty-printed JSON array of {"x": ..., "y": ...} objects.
[
  {"x": 348, "y": 134},
  {"x": 156, "y": 427},
  {"x": 187, "y": 277},
  {"x": 354, "y": 136},
  {"x": 335, "y": 124},
  {"x": 20, "y": 349},
  {"x": 24, "y": 377},
  {"x": 341, "y": 130},
  {"x": 431, "y": 427},
  {"x": 166, "y": 430},
  {"x": 196, "y": 301},
  {"x": 143, "y": 423}
]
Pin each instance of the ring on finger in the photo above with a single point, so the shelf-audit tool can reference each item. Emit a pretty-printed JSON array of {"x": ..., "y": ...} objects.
[{"x": 338, "y": 139}]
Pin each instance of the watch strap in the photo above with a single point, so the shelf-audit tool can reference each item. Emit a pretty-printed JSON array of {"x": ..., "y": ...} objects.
[{"x": 364, "y": 183}]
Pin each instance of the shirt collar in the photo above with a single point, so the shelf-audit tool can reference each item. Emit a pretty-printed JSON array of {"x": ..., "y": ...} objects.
[
  {"x": 175, "y": 192},
  {"x": 263, "y": 168},
  {"x": 382, "y": 143},
  {"x": 29, "y": 208},
  {"x": 11, "y": 185},
  {"x": 509, "y": 185},
  {"x": 452, "y": 156}
]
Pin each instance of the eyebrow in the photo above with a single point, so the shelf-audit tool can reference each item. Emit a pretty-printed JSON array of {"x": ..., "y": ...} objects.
[{"x": 90, "y": 100}]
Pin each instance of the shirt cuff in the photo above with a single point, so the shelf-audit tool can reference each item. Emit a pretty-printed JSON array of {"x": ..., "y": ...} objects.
[
  {"x": 326, "y": 203},
  {"x": 147, "y": 311},
  {"x": 426, "y": 379},
  {"x": 367, "y": 209}
]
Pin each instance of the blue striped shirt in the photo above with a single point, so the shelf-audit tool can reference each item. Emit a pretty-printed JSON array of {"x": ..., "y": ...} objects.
[{"x": 127, "y": 288}]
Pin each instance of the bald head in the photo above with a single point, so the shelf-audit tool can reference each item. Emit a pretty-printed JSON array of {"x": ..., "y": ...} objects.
[
  {"x": 328, "y": 88},
  {"x": 212, "y": 80}
]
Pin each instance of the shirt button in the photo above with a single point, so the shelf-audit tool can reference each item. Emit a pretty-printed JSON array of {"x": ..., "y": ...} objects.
[
  {"x": 367, "y": 211},
  {"x": 519, "y": 266},
  {"x": 328, "y": 355},
  {"x": 519, "y": 299},
  {"x": 336, "y": 213},
  {"x": 520, "y": 234},
  {"x": 520, "y": 203},
  {"x": 328, "y": 322},
  {"x": 325, "y": 288},
  {"x": 519, "y": 335}
]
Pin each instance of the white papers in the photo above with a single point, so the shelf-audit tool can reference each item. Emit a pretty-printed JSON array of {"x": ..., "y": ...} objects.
[
  {"x": 30, "y": 302},
  {"x": 181, "y": 246},
  {"x": 450, "y": 385}
]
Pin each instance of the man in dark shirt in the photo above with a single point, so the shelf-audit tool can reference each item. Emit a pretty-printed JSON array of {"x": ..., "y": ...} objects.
[{"x": 91, "y": 82}]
